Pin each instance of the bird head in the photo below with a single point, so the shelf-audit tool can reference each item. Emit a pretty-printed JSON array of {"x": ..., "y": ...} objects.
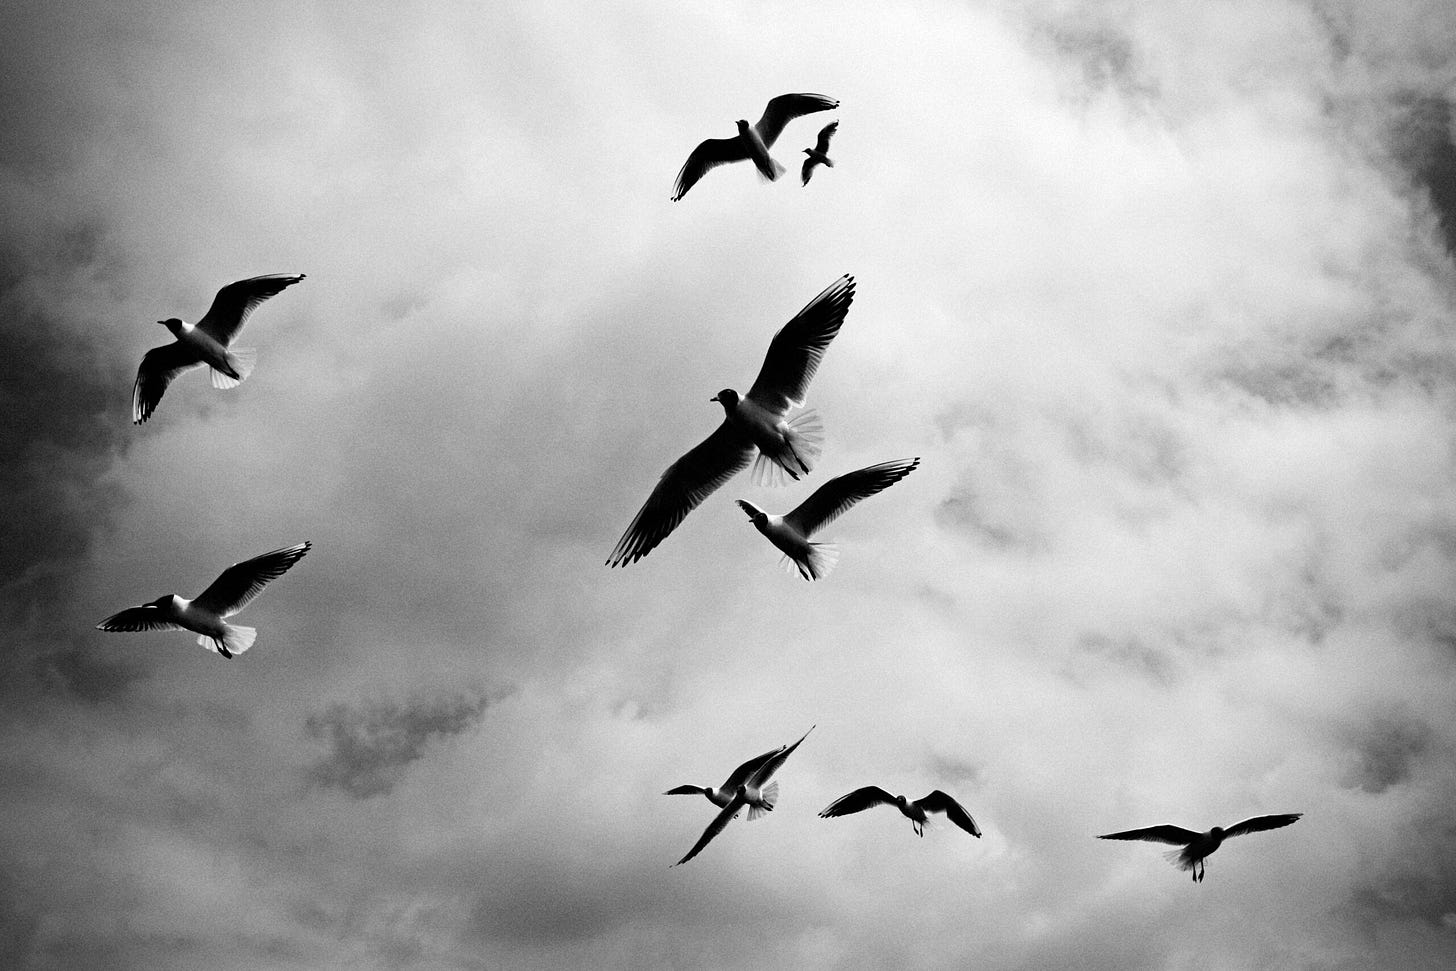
[
  {"x": 162, "y": 601},
  {"x": 174, "y": 324},
  {"x": 759, "y": 517},
  {"x": 808, "y": 151},
  {"x": 1216, "y": 832},
  {"x": 742, "y": 127},
  {"x": 728, "y": 398}
]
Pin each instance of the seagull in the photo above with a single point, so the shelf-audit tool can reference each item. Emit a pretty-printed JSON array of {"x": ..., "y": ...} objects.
[
  {"x": 233, "y": 590},
  {"x": 752, "y": 141},
  {"x": 206, "y": 342},
  {"x": 917, "y": 812},
  {"x": 819, "y": 154},
  {"x": 745, "y": 787},
  {"x": 791, "y": 531},
  {"x": 756, "y": 423},
  {"x": 1198, "y": 846}
]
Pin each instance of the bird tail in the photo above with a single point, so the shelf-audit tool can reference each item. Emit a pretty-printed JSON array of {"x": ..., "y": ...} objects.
[
  {"x": 806, "y": 438},
  {"x": 1179, "y": 858},
  {"x": 770, "y": 794},
  {"x": 235, "y": 640},
  {"x": 243, "y": 360},
  {"x": 821, "y": 561}
]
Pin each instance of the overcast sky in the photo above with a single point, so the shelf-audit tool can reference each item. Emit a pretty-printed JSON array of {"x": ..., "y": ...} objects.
[{"x": 1161, "y": 293}]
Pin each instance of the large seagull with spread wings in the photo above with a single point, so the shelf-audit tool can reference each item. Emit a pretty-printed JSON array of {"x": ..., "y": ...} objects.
[
  {"x": 751, "y": 142},
  {"x": 756, "y": 423},
  {"x": 237, "y": 586},
  {"x": 1196, "y": 847},
  {"x": 206, "y": 342}
]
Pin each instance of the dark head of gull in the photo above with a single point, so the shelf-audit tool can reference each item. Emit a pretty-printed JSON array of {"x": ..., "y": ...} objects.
[{"x": 728, "y": 398}]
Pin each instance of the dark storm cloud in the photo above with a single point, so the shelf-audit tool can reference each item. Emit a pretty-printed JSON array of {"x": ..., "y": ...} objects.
[
  {"x": 1423, "y": 143},
  {"x": 371, "y": 745},
  {"x": 1386, "y": 751},
  {"x": 87, "y": 675}
]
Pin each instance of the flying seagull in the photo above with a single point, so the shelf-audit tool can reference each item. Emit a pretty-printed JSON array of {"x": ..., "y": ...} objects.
[
  {"x": 206, "y": 342},
  {"x": 233, "y": 590},
  {"x": 745, "y": 787},
  {"x": 791, "y": 531},
  {"x": 917, "y": 812},
  {"x": 1198, "y": 846},
  {"x": 756, "y": 423},
  {"x": 819, "y": 154},
  {"x": 752, "y": 141}
]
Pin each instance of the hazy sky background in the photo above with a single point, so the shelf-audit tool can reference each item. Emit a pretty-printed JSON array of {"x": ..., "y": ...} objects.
[{"x": 1161, "y": 293}]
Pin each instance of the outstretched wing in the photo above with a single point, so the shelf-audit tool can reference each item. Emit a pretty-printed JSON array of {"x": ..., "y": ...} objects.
[
  {"x": 939, "y": 802},
  {"x": 708, "y": 155},
  {"x": 826, "y": 133},
  {"x": 841, "y": 492},
  {"x": 796, "y": 350},
  {"x": 687, "y": 482},
  {"x": 744, "y": 772},
  {"x": 714, "y": 828},
  {"x": 857, "y": 801},
  {"x": 1258, "y": 824},
  {"x": 769, "y": 767},
  {"x": 233, "y": 303},
  {"x": 784, "y": 109},
  {"x": 808, "y": 169},
  {"x": 236, "y": 587},
  {"x": 135, "y": 619},
  {"x": 1174, "y": 835},
  {"x": 159, "y": 367}
]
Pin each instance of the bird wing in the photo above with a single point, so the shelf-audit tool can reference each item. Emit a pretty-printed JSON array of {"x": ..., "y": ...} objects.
[
  {"x": 233, "y": 303},
  {"x": 684, "y": 791},
  {"x": 687, "y": 482},
  {"x": 1174, "y": 835},
  {"x": 1257, "y": 824},
  {"x": 714, "y": 828},
  {"x": 708, "y": 155},
  {"x": 808, "y": 169},
  {"x": 939, "y": 802},
  {"x": 134, "y": 619},
  {"x": 765, "y": 771},
  {"x": 857, "y": 801},
  {"x": 236, "y": 587},
  {"x": 796, "y": 350},
  {"x": 784, "y": 109},
  {"x": 744, "y": 772},
  {"x": 826, "y": 133},
  {"x": 841, "y": 492},
  {"x": 159, "y": 367}
]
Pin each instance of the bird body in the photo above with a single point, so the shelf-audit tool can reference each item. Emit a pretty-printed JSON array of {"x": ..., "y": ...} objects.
[
  {"x": 748, "y": 786},
  {"x": 756, "y": 427},
  {"x": 1196, "y": 847},
  {"x": 206, "y": 615},
  {"x": 206, "y": 343},
  {"x": 917, "y": 811},
  {"x": 791, "y": 531},
  {"x": 752, "y": 141}
]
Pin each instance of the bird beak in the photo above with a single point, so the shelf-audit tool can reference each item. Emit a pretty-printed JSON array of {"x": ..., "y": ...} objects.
[{"x": 714, "y": 398}]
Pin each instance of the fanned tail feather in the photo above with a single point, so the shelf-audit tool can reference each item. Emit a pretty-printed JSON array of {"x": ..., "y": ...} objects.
[
  {"x": 1178, "y": 859},
  {"x": 243, "y": 360},
  {"x": 822, "y": 558},
  {"x": 234, "y": 641},
  {"x": 804, "y": 443},
  {"x": 768, "y": 472},
  {"x": 770, "y": 795}
]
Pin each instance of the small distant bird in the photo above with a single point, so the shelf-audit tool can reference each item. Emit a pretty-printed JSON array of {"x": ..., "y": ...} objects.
[
  {"x": 757, "y": 423},
  {"x": 206, "y": 342},
  {"x": 1198, "y": 846},
  {"x": 747, "y": 786},
  {"x": 819, "y": 154},
  {"x": 233, "y": 590},
  {"x": 917, "y": 812},
  {"x": 791, "y": 531},
  {"x": 752, "y": 141}
]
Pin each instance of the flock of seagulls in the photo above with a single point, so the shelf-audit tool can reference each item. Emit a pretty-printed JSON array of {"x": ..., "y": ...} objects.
[{"x": 768, "y": 427}]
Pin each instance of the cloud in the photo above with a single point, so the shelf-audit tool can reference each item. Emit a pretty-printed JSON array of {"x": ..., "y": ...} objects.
[{"x": 372, "y": 744}]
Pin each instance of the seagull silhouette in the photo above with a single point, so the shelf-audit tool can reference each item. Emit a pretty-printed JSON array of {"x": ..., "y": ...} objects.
[
  {"x": 791, "y": 531},
  {"x": 745, "y": 787},
  {"x": 754, "y": 423},
  {"x": 207, "y": 342},
  {"x": 233, "y": 590},
  {"x": 917, "y": 811},
  {"x": 751, "y": 142},
  {"x": 1196, "y": 847},
  {"x": 819, "y": 154}
]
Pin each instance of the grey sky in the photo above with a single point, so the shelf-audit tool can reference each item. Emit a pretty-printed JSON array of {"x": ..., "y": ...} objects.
[{"x": 1161, "y": 293}]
